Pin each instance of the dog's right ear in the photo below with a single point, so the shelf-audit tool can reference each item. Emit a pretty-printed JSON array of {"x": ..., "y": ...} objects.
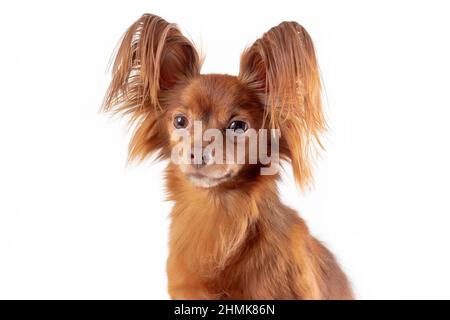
[
  {"x": 281, "y": 67},
  {"x": 152, "y": 58}
]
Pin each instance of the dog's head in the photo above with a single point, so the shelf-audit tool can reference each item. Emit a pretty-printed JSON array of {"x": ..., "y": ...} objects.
[{"x": 157, "y": 82}]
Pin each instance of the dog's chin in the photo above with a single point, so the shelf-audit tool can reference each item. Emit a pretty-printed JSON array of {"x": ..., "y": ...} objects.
[{"x": 204, "y": 181}]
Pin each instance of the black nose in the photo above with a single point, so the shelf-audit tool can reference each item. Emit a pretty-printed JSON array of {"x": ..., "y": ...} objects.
[{"x": 197, "y": 159}]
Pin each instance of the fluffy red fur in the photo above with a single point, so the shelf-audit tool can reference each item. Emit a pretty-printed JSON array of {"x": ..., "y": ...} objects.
[{"x": 233, "y": 240}]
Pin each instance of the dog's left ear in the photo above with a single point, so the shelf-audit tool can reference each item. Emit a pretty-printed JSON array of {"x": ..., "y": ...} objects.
[
  {"x": 282, "y": 70},
  {"x": 153, "y": 58}
]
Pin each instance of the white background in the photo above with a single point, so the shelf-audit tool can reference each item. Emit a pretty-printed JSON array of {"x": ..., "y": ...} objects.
[{"x": 75, "y": 222}]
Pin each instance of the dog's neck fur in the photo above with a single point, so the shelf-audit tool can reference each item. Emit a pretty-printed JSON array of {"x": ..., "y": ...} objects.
[
  {"x": 222, "y": 234},
  {"x": 223, "y": 218}
]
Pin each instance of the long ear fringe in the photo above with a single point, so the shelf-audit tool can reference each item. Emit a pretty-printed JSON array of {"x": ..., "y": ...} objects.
[
  {"x": 137, "y": 71},
  {"x": 153, "y": 55},
  {"x": 282, "y": 67}
]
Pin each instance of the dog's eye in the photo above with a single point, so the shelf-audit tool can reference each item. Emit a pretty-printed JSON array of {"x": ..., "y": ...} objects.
[
  {"x": 238, "y": 126},
  {"x": 180, "y": 122}
]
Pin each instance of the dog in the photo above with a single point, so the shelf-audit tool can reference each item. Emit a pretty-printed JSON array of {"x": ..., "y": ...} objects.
[{"x": 231, "y": 237}]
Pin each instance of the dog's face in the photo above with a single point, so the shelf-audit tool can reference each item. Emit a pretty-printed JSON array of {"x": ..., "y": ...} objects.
[
  {"x": 157, "y": 81},
  {"x": 207, "y": 109}
]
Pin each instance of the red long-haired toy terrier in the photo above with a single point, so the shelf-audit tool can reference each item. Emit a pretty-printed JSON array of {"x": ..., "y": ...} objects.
[{"x": 225, "y": 136}]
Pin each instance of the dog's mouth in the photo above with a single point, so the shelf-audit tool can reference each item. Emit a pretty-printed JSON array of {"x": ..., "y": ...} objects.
[{"x": 205, "y": 181}]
